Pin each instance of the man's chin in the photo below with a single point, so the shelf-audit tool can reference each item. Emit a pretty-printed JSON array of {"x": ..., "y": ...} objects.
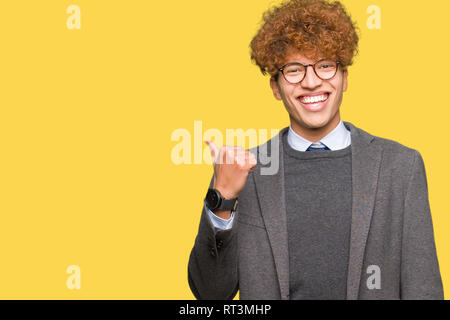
[
  {"x": 311, "y": 121},
  {"x": 314, "y": 124}
]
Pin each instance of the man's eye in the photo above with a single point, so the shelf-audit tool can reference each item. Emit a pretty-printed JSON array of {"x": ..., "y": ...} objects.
[{"x": 326, "y": 66}]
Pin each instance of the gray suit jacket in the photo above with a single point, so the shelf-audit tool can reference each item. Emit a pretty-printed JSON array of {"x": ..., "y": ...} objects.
[{"x": 391, "y": 229}]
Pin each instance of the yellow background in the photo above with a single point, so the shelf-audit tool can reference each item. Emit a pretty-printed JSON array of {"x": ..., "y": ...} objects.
[{"x": 86, "y": 118}]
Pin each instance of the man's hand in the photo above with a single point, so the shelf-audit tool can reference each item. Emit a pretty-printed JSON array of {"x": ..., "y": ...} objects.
[{"x": 231, "y": 168}]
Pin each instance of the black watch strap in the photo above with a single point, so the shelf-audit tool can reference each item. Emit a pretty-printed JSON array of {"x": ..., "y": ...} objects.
[{"x": 228, "y": 204}]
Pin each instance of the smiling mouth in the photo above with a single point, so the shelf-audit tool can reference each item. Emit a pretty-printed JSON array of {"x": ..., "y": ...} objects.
[{"x": 314, "y": 99}]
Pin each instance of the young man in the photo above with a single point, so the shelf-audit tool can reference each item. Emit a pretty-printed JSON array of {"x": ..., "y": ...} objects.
[{"x": 345, "y": 216}]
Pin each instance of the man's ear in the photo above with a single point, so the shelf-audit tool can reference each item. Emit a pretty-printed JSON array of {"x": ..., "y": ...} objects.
[
  {"x": 345, "y": 76},
  {"x": 275, "y": 88}
]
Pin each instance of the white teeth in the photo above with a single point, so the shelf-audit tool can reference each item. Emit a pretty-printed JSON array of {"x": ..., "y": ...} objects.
[{"x": 314, "y": 99}]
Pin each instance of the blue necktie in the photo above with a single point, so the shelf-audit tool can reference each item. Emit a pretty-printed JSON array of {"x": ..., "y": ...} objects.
[{"x": 317, "y": 147}]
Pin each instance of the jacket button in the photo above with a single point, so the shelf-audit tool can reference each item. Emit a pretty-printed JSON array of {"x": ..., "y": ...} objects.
[
  {"x": 213, "y": 253},
  {"x": 219, "y": 244}
]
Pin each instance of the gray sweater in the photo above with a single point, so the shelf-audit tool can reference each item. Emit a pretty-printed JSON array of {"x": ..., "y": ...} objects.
[{"x": 318, "y": 195}]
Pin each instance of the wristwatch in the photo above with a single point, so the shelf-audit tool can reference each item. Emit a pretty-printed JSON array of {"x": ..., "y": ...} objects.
[{"x": 215, "y": 201}]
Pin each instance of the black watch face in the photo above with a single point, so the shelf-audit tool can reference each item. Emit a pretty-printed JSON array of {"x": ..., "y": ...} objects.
[{"x": 212, "y": 199}]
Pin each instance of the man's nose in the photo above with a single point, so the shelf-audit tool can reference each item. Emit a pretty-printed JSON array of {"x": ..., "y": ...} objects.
[{"x": 311, "y": 80}]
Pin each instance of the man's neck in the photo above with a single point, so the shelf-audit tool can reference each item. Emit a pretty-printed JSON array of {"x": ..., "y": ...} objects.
[{"x": 315, "y": 134}]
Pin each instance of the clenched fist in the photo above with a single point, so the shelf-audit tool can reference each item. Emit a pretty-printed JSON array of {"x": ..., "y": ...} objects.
[{"x": 231, "y": 168}]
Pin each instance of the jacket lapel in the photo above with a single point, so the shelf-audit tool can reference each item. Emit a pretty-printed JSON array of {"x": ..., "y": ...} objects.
[
  {"x": 270, "y": 191},
  {"x": 366, "y": 159}
]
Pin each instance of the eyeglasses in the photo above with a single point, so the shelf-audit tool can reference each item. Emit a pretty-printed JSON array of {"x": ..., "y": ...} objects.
[{"x": 295, "y": 72}]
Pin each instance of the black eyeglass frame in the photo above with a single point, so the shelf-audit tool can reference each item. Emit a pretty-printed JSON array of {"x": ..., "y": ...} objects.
[{"x": 313, "y": 65}]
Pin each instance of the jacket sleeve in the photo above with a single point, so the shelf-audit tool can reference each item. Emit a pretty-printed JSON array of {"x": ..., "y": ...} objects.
[
  {"x": 212, "y": 267},
  {"x": 420, "y": 275}
]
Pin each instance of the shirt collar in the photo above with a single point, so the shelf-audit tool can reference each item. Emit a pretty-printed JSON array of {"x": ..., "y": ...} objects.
[{"x": 337, "y": 139}]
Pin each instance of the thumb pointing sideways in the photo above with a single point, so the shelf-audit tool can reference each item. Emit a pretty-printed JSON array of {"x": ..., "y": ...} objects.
[{"x": 214, "y": 149}]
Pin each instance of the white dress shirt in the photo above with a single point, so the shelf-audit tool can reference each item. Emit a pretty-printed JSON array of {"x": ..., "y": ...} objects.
[{"x": 339, "y": 138}]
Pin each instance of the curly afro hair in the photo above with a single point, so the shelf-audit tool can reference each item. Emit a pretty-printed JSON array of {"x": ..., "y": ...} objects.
[{"x": 315, "y": 28}]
